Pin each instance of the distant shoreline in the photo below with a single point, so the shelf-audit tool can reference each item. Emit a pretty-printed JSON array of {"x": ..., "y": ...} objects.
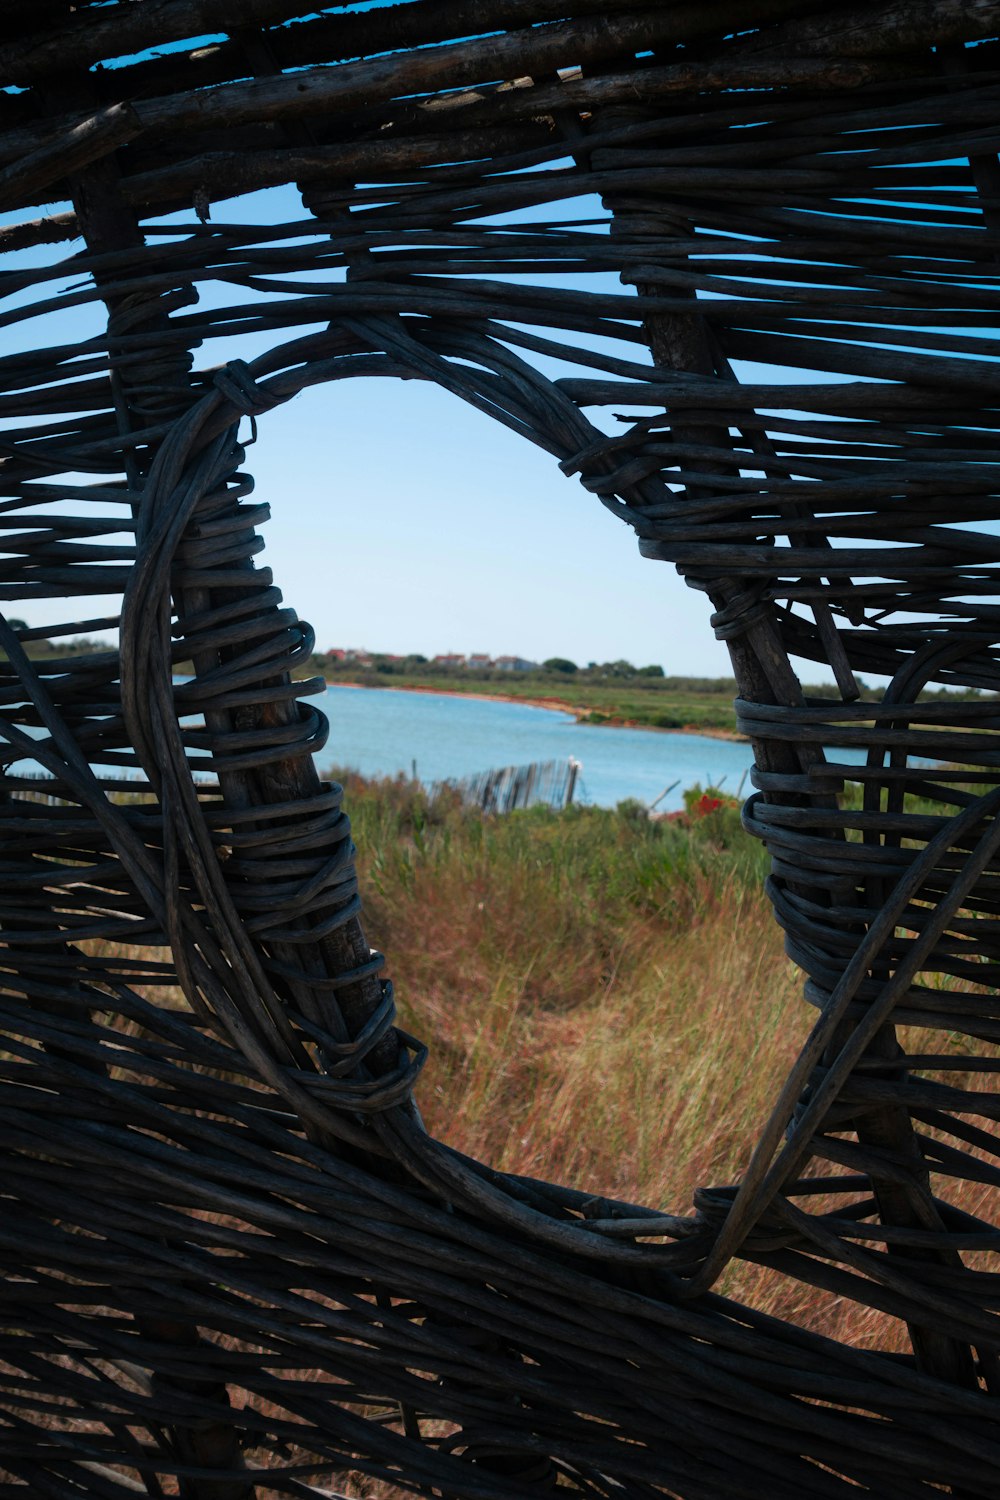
[{"x": 554, "y": 705}]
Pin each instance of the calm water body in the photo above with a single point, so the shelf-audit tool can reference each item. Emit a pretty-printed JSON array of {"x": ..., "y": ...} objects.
[{"x": 380, "y": 732}]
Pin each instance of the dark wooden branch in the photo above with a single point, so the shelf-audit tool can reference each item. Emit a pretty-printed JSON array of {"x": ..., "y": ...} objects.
[
  {"x": 226, "y": 1232},
  {"x": 66, "y": 152},
  {"x": 94, "y": 35}
]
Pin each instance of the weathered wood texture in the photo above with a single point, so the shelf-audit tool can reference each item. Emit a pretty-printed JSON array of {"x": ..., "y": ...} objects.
[{"x": 233, "y": 1259}]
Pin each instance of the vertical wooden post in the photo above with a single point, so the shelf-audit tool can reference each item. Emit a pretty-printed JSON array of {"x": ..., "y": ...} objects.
[
  {"x": 107, "y": 224},
  {"x": 763, "y": 673}
]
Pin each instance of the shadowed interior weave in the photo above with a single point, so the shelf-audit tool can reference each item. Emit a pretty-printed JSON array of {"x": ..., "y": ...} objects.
[{"x": 735, "y": 264}]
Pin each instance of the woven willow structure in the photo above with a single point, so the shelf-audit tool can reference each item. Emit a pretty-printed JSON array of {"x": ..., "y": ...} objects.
[{"x": 235, "y": 1262}]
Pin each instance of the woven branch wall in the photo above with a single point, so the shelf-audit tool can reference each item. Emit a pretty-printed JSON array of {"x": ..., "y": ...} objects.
[{"x": 234, "y": 1261}]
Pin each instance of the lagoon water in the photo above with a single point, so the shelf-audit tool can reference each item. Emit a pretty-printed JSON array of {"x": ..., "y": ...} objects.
[{"x": 381, "y": 732}]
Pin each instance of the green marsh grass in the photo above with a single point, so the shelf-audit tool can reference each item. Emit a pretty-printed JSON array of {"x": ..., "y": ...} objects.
[
  {"x": 606, "y": 1001},
  {"x": 605, "y": 997}
]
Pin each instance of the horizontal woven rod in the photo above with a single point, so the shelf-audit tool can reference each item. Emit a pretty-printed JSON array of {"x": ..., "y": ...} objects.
[
  {"x": 855, "y": 397},
  {"x": 326, "y": 88},
  {"x": 570, "y": 101},
  {"x": 935, "y": 370},
  {"x": 352, "y": 84},
  {"x": 46, "y": 231},
  {"x": 397, "y": 151},
  {"x": 92, "y": 37},
  {"x": 158, "y": 1154},
  {"x": 341, "y": 37},
  {"x": 86, "y": 142},
  {"x": 857, "y": 31},
  {"x": 220, "y": 174}
]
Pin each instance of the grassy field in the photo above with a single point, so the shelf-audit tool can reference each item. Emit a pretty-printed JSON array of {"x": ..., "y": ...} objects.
[
  {"x": 606, "y": 999},
  {"x": 606, "y": 1002}
]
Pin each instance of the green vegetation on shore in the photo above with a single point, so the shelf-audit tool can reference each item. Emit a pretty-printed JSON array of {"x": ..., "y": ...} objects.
[{"x": 603, "y": 693}]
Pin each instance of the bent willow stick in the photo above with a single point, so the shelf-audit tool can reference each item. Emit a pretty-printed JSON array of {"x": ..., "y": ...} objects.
[{"x": 235, "y": 1263}]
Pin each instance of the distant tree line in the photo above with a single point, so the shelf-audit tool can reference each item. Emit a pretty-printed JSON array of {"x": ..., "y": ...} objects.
[
  {"x": 41, "y": 647},
  {"x": 554, "y": 669},
  {"x": 414, "y": 664},
  {"x": 599, "y": 671}
]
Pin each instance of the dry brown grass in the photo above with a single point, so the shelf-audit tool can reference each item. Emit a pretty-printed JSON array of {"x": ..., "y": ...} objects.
[{"x": 607, "y": 1004}]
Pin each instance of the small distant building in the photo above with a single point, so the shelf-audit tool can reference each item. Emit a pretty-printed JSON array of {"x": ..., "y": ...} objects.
[
  {"x": 359, "y": 658},
  {"x": 514, "y": 664},
  {"x": 479, "y": 661},
  {"x": 336, "y": 653},
  {"x": 449, "y": 659}
]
